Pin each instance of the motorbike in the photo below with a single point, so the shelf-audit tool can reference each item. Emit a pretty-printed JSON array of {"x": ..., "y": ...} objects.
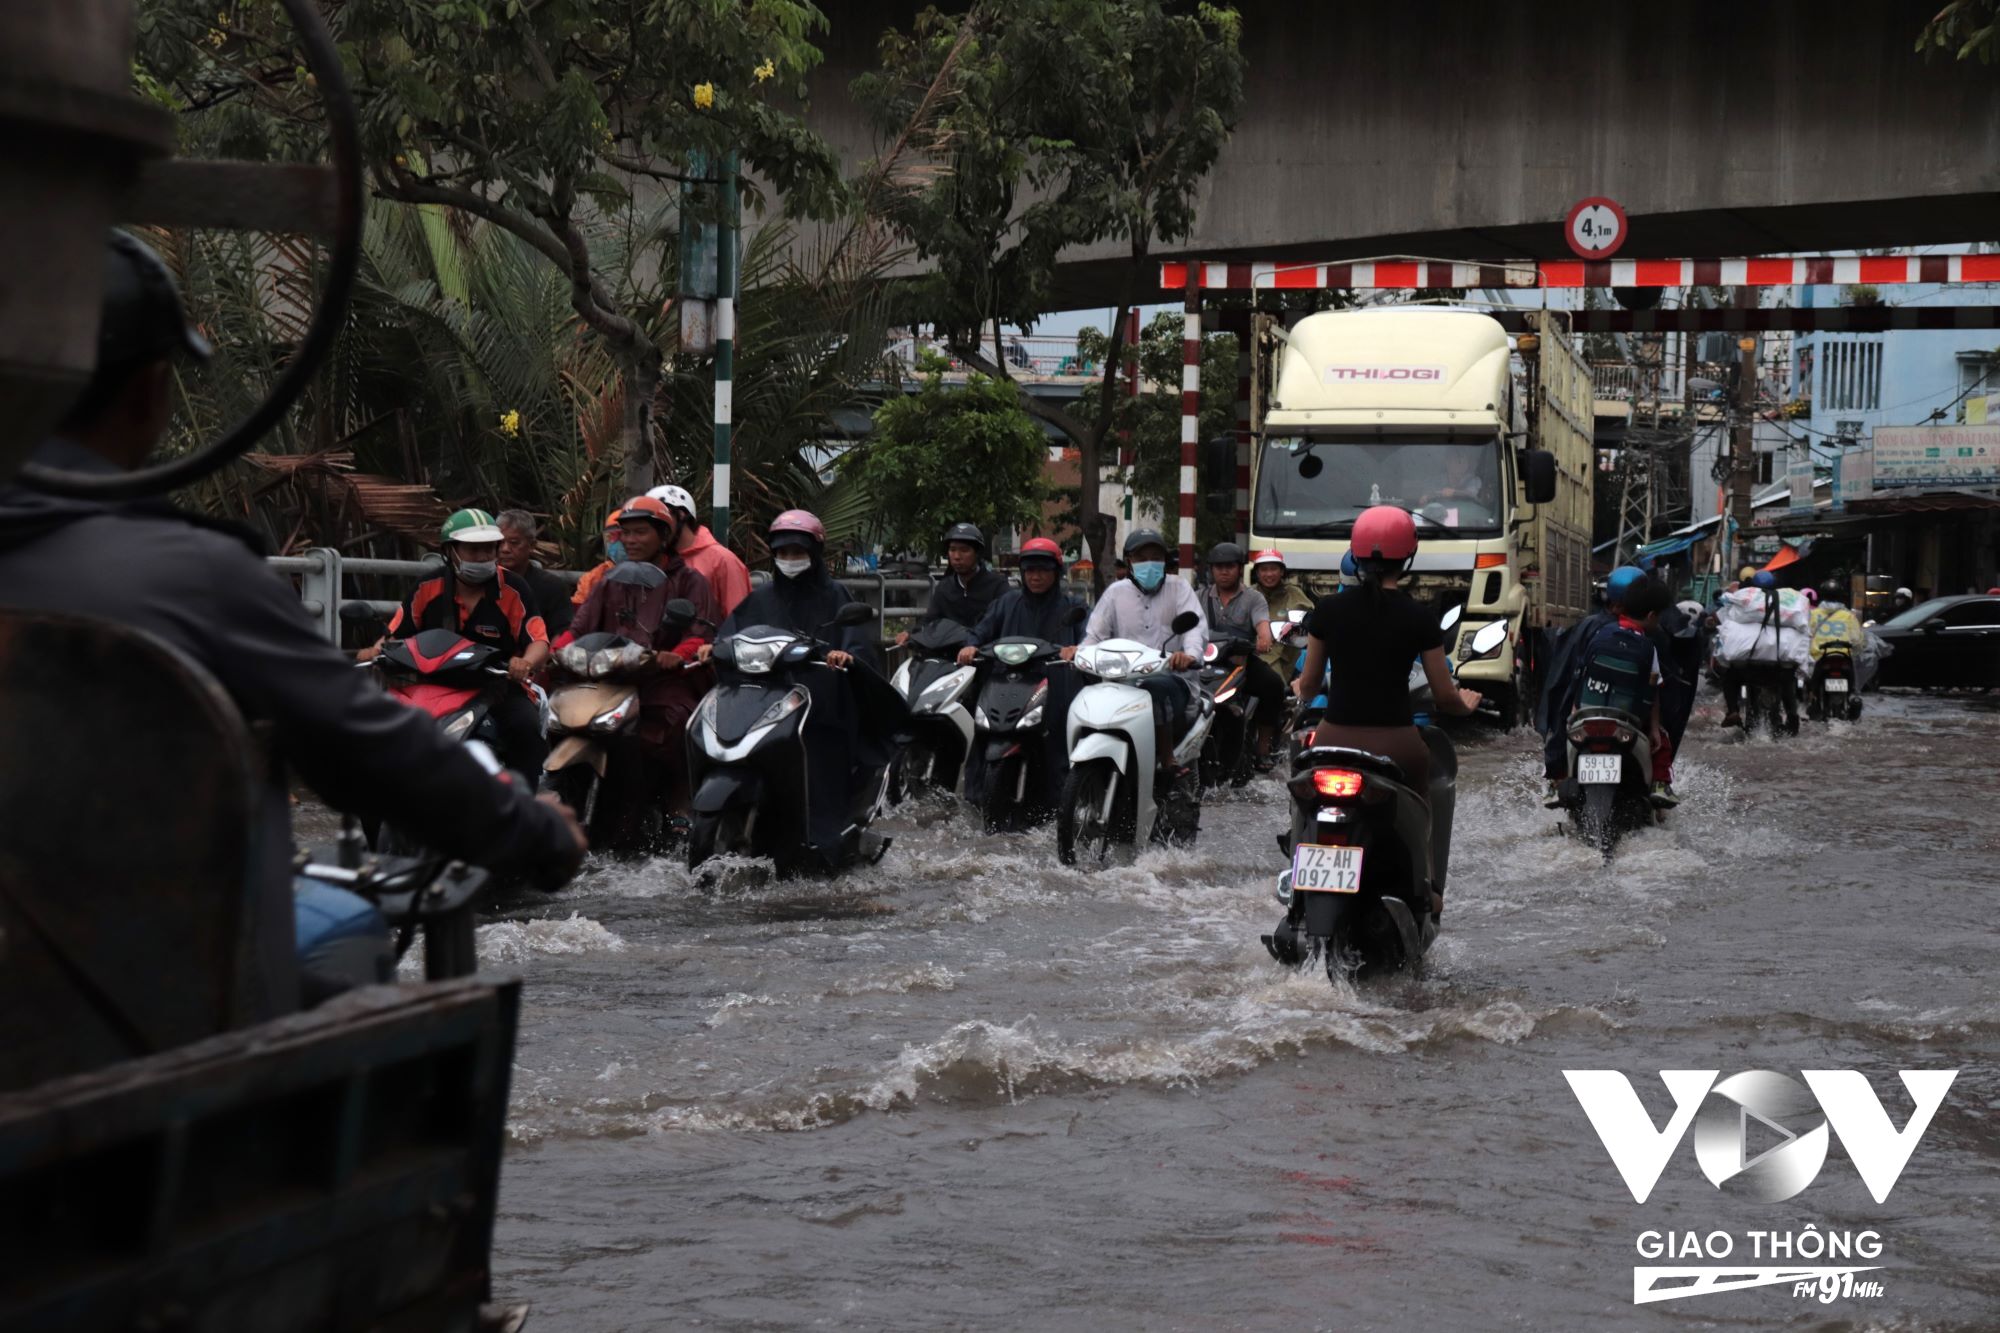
[
  {"x": 939, "y": 692},
  {"x": 597, "y": 762},
  {"x": 1119, "y": 787},
  {"x": 747, "y": 756},
  {"x": 1367, "y": 850},
  {"x": 1835, "y": 687},
  {"x": 1225, "y": 757},
  {"x": 1770, "y": 696},
  {"x": 1013, "y": 728},
  {"x": 1609, "y": 787}
]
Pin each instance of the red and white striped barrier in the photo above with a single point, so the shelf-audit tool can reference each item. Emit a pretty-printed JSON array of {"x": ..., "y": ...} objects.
[{"x": 1408, "y": 274}]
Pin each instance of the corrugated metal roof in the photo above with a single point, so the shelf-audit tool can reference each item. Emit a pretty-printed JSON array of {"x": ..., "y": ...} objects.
[{"x": 413, "y": 512}]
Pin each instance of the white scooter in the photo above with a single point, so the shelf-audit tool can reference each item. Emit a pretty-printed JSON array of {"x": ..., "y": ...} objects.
[{"x": 1117, "y": 790}]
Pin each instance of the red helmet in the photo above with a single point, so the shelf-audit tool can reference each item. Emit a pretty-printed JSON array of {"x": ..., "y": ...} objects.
[
  {"x": 800, "y": 522},
  {"x": 1271, "y": 557},
  {"x": 1384, "y": 532},
  {"x": 1043, "y": 547}
]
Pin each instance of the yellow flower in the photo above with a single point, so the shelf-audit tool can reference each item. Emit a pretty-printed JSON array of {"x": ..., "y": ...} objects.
[
  {"x": 510, "y": 423},
  {"x": 766, "y": 70},
  {"x": 704, "y": 96},
  {"x": 216, "y": 37}
]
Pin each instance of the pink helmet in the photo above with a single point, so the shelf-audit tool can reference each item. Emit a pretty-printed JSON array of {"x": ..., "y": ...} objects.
[
  {"x": 1811, "y": 595},
  {"x": 800, "y": 523},
  {"x": 1384, "y": 532}
]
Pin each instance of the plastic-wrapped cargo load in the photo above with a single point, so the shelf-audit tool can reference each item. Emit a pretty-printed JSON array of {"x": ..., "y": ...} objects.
[
  {"x": 1747, "y": 606},
  {"x": 1737, "y": 642}
]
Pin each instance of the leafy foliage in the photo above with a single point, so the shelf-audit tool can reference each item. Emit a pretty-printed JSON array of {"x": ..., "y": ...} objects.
[
  {"x": 1152, "y": 417},
  {"x": 1045, "y": 124},
  {"x": 951, "y": 454},
  {"x": 1967, "y": 29}
]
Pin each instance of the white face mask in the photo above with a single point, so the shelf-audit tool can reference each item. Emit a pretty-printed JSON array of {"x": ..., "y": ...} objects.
[{"x": 793, "y": 566}]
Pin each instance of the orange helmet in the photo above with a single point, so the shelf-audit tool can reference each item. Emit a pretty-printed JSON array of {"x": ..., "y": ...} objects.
[
  {"x": 1271, "y": 557},
  {"x": 1042, "y": 548},
  {"x": 1384, "y": 532},
  {"x": 646, "y": 507}
]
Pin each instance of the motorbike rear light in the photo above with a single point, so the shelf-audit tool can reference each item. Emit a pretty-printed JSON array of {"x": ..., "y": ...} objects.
[
  {"x": 1337, "y": 783},
  {"x": 1602, "y": 731}
]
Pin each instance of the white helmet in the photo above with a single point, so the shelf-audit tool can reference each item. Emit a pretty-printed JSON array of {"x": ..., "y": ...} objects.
[{"x": 673, "y": 497}]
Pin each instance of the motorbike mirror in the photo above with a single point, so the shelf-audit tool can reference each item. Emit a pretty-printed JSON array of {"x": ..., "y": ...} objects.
[
  {"x": 1185, "y": 621},
  {"x": 1077, "y": 615},
  {"x": 680, "y": 608},
  {"x": 1297, "y": 615},
  {"x": 356, "y": 612},
  {"x": 854, "y": 613},
  {"x": 1451, "y": 616},
  {"x": 1489, "y": 637}
]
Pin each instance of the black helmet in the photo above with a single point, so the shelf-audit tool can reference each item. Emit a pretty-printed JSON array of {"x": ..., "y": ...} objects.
[
  {"x": 1833, "y": 590},
  {"x": 1139, "y": 537},
  {"x": 966, "y": 532},
  {"x": 1226, "y": 553}
]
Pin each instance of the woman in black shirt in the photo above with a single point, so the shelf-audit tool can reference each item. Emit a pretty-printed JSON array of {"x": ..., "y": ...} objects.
[{"x": 1366, "y": 639}]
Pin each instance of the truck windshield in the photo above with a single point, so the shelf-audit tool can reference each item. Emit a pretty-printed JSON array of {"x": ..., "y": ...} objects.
[{"x": 1320, "y": 491}]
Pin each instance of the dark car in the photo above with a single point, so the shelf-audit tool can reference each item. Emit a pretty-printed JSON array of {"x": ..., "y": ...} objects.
[{"x": 1947, "y": 641}]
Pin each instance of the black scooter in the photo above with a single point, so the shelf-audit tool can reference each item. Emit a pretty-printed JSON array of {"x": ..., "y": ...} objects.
[
  {"x": 938, "y": 691},
  {"x": 1015, "y": 729},
  {"x": 747, "y": 758},
  {"x": 1834, "y": 690},
  {"x": 1226, "y": 754},
  {"x": 1367, "y": 851}
]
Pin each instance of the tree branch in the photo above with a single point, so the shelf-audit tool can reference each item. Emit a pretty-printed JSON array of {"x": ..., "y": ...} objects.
[
  {"x": 414, "y": 190},
  {"x": 1037, "y": 407}
]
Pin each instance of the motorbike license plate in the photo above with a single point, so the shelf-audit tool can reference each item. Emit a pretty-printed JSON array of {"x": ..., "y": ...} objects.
[
  {"x": 1836, "y": 684},
  {"x": 1318, "y": 868},
  {"x": 1596, "y": 768}
]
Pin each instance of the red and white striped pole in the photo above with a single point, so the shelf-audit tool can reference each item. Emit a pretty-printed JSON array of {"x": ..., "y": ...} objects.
[
  {"x": 1243, "y": 436},
  {"x": 1190, "y": 416}
]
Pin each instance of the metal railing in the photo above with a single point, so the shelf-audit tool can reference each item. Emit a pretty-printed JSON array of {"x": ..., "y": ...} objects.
[{"x": 322, "y": 573}]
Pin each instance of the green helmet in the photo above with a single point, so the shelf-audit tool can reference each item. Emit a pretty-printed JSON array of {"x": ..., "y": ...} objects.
[{"x": 469, "y": 525}]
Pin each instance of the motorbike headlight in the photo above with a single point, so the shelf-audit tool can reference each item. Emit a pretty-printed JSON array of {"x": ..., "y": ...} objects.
[
  {"x": 1226, "y": 695},
  {"x": 1110, "y": 666},
  {"x": 795, "y": 699},
  {"x": 1013, "y": 654},
  {"x": 614, "y": 718},
  {"x": 942, "y": 689},
  {"x": 574, "y": 660},
  {"x": 1032, "y": 718},
  {"x": 460, "y": 727},
  {"x": 756, "y": 658},
  {"x": 609, "y": 661}
]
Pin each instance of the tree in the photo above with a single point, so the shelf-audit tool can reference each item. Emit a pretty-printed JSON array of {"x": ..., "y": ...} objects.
[
  {"x": 1151, "y": 418},
  {"x": 1108, "y": 112},
  {"x": 1968, "y": 29},
  {"x": 950, "y": 454},
  {"x": 537, "y": 116}
]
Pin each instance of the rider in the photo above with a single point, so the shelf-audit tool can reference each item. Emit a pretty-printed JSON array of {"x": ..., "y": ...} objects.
[
  {"x": 668, "y": 696},
  {"x": 614, "y": 552},
  {"x": 489, "y": 605},
  {"x": 968, "y": 586},
  {"x": 1366, "y": 640},
  {"x": 1143, "y": 607},
  {"x": 1621, "y": 666},
  {"x": 519, "y": 533},
  {"x": 728, "y": 577},
  {"x": 1834, "y": 626},
  {"x": 856, "y": 716},
  {"x": 202, "y": 587},
  {"x": 1283, "y": 597},
  {"x": 1039, "y": 609},
  {"x": 1238, "y": 612},
  {"x": 1732, "y": 675}
]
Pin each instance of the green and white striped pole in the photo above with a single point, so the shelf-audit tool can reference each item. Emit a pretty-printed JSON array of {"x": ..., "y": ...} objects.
[{"x": 725, "y": 349}]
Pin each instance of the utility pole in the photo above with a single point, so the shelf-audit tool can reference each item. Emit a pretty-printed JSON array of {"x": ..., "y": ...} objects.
[
  {"x": 727, "y": 240},
  {"x": 1743, "y": 433}
]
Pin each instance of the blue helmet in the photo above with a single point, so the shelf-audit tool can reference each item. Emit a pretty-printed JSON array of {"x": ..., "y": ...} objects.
[
  {"x": 1350, "y": 573},
  {"x": 1621, "y": 583},
  {"x": 1765, "y": 579}
]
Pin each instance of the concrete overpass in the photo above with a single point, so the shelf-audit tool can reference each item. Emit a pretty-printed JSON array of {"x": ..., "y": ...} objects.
[{"x": 1464, "y": 128}]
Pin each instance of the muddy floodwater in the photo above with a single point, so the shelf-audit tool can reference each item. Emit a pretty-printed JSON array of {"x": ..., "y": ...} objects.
[{"x": 971, "y": 1089}]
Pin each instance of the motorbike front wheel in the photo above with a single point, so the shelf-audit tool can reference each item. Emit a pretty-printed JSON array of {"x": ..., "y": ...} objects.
[
  {"x": 711, "y": 835},
  {"x": 1080, "y": 817},
  {"x": 576, "y": 787},
  {"x": 1004, "y": 810}
]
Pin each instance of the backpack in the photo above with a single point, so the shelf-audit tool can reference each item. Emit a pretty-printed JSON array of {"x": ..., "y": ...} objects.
[{"x": 1617, "y": 672}]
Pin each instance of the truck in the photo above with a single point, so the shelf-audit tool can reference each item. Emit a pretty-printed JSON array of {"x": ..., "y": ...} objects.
[{"x": 1486, "y": 440}]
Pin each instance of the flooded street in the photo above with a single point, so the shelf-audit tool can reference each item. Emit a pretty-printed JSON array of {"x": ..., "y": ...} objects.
[{"x": 970, "y": 1089}]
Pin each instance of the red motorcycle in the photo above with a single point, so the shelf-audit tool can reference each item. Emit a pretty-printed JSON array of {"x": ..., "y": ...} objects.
[{"x": 447, "y": 675}]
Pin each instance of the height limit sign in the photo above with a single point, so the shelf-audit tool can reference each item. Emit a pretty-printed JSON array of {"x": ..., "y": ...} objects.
[{"x": 1595, "y": 228}]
